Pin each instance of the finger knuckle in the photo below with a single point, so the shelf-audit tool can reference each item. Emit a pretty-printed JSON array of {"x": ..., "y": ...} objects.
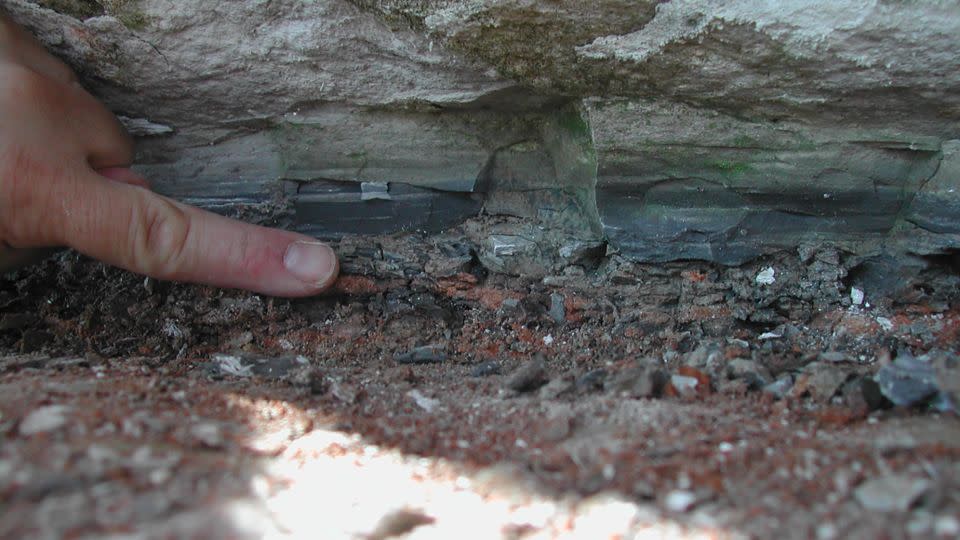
[{"x": 161, "y": 239}]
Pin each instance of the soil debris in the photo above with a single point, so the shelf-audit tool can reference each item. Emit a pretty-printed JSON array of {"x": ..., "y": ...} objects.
[{"x": 674, "y": 400}]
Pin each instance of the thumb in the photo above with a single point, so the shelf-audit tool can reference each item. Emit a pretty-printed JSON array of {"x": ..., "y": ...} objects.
[{"x": 123, "y": 224}]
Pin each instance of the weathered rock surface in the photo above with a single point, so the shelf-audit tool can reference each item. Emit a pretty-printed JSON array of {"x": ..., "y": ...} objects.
[{"x": 689, "y": 129}]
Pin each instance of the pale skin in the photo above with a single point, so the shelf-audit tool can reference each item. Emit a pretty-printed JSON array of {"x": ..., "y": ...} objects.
[{"x": 65, "y": 181}]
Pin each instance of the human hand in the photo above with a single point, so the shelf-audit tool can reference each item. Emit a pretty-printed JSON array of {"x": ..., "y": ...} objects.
[{"x": 65, "y": 181}]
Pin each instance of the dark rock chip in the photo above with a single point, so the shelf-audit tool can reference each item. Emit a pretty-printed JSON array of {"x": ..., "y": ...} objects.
[
  {"x": 864, "y": 393},
  {"x": 558, "y": 311},
  {"x": 429, "y": 354},
  {"x": 592, "y": 380},
  {"x": 399, "y": 523},
  {"x": 755, "y": 375},
  {"x": 909, "y": 380},
  {"x": 486, "y": 369},
  {"x": 558, "y": 388}
]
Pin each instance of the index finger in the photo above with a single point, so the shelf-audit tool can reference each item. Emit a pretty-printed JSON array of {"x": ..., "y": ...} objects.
[{"x": 134, "y": 228}]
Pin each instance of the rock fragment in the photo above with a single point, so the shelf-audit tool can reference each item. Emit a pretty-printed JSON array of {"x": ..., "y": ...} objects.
[
  {"x": 820, "y": 381},
  {"x": 558, "y": 311},
  {"x": 592, "y": 380},
  {"x": 528, "y": 377},
  {"x": 864, "y": 393},
  {"x": 892, "y": 493},
  {"x": 399, "y": 523},
  {"x": 780, "y": 387},
  {"x": 755, "y": 375},
  {"x": 486, "y": 369}
]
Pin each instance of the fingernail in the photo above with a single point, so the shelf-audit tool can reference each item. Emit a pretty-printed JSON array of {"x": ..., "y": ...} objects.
[{"x": 310, "y": 262}]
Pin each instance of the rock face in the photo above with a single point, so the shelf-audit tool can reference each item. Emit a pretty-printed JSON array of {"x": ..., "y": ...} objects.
[{"x": 687, "y": 129}]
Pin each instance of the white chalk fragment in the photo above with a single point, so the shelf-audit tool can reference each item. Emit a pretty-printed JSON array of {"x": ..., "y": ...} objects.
[
  {"x": 142, "y": 127},
  {"x": 769, "y": 335},
  {"x": 684, "y": 384},
  {"x": 422, "y": 401},
  {"x": 767, "y": 276},
  {"x": 680, "y": 500},
  {"x": 885, "y": 323},
  {"x": 44, "y": 419},
  {"x": 208, "y": 433},
  {"x": 372, "y": 191},
  {"x": 232, "y": 365},
  {"x": 856, "y": 296}
]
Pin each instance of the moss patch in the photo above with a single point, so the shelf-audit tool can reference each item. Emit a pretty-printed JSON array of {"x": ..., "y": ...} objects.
[
  {"x": 81, "y": 9},
  {"x": 127, "y": 12},
  {"x": 731, "y": 167}
]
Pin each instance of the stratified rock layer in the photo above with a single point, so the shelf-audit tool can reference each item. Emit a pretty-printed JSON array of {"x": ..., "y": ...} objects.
[{"x": 676, "y": 130}]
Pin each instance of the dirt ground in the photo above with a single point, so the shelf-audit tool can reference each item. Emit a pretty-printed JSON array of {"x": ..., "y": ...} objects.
[{"x": 425, "y": 398}]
